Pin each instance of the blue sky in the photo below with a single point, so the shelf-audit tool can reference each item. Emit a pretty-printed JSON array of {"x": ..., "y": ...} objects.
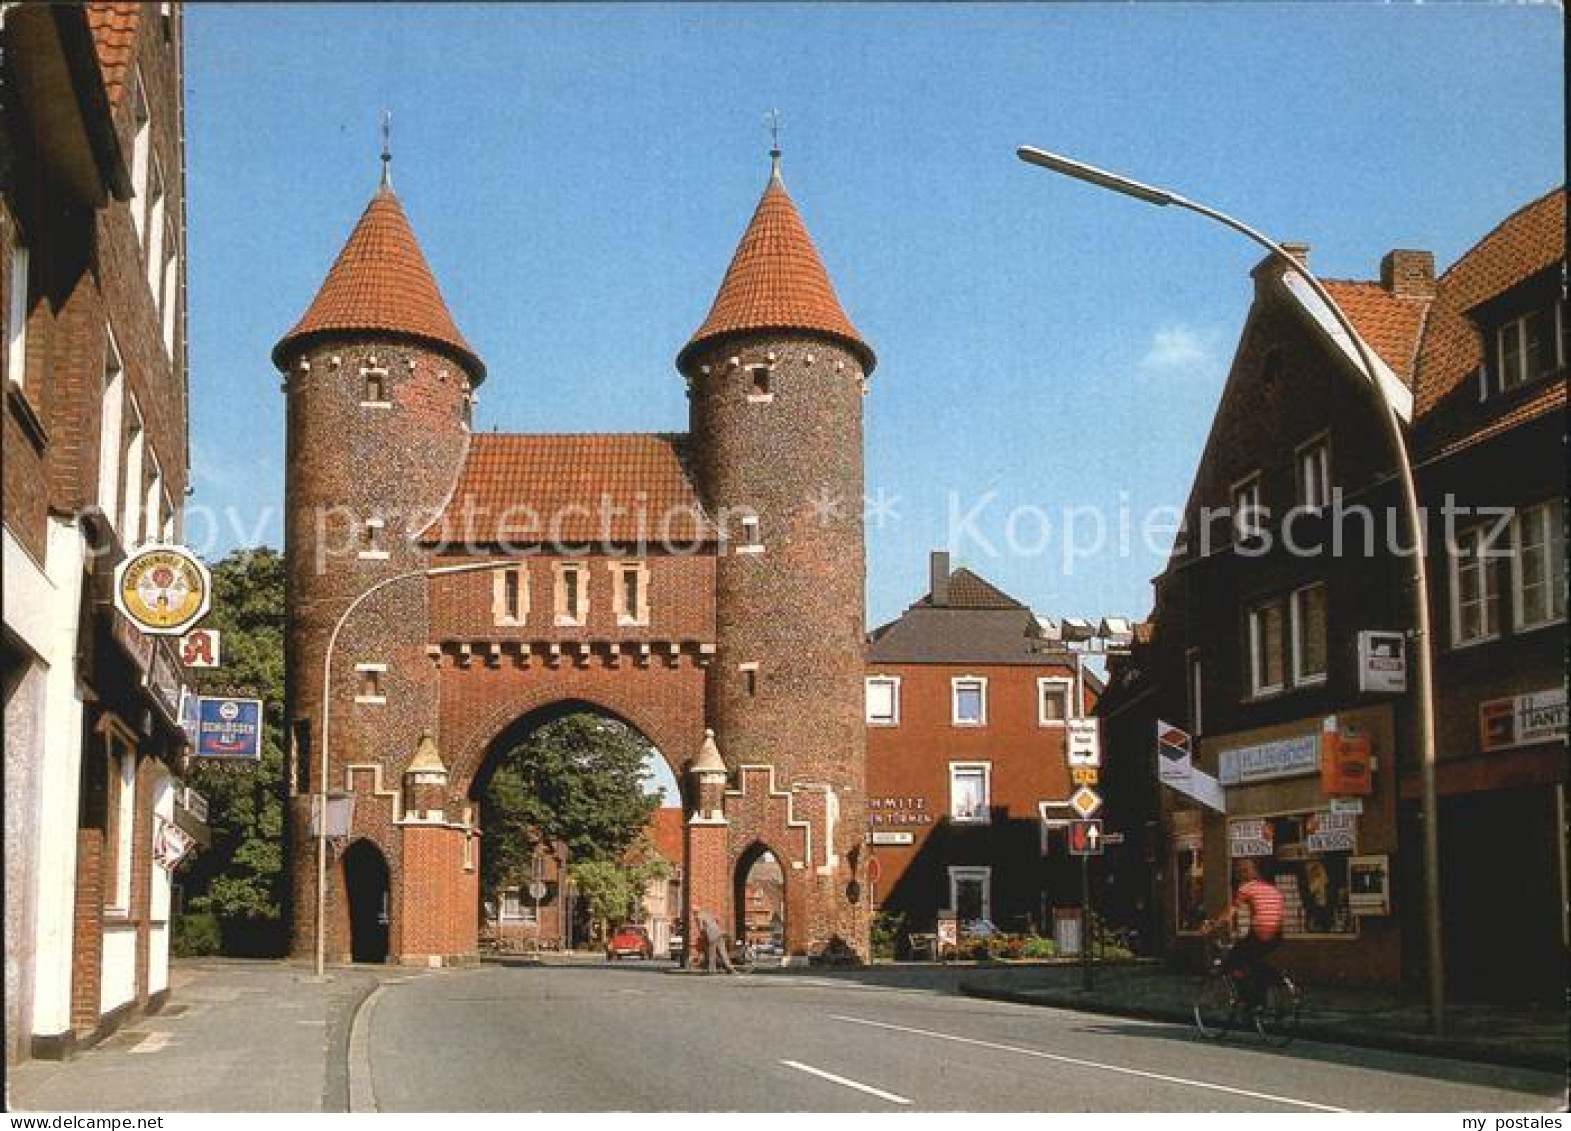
[{"x": 579, "y": 177}]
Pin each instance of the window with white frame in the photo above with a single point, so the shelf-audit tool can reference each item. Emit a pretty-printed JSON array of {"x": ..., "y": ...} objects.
[
  {"x": 1538, "y": 564},
  {"x": 968, "y": 701},
  {"x": 373, "y": 387},
  {"x": 1475, "y": 597},
  {"x": 1054, "y": 700},
  {"x": 152, "y": 512},
  {"x": 121, "y": 817},
  {"x": 751, "y": 543},
  {"x": 1194, "y": 686},
  {"x": 630, "y": 592},
  {"x": 112, "y": 409},
  {"x": 141, "y": 153},
  {"x": 969, "y": 798},
  {"x": 171, "y": 289},
  {"x": 883, "y": 700},
  {"x": 372, "y": 548},
  {"x": 16, "y": 318},
  {"x": 571, "y": 602},
  {"x": 1523, "y": 350},
  {"x": 510, "y": 595},
  {"x": 1309, "y": 634},
  {"x": 156, "y": 205},
  {"x": 971, "y": 893},
  {"x": 371, "y": 683},
  {"x": 1248, "y": 521},
  {"x": 1314, "y": 474},
  {"x": 1265, "y": 647},
  {"x": 131, "y": 477},
  {"x": 171, "y": 518}
]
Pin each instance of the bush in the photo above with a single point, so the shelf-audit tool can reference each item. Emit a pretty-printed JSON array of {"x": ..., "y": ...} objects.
[
  {"x": 886, "y": 933},
  {"x": 1036, "y": 946},
  {"x": 196, "y": 934},
  {"x": 1011, "y": 946}
]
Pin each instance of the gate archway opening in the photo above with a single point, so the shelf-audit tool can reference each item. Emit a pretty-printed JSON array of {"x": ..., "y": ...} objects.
[
  {"x": 759, "y": 900},
  {"x": 367, "y": 883}
]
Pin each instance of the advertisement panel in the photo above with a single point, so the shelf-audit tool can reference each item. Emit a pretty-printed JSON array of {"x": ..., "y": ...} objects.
[
  {"x": 1283, "y": 758},
  {"x": 229, "y": 728},
  {"x": 1522, "y": 720}
]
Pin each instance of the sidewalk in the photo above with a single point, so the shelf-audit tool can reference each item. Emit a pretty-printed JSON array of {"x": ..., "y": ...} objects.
[
  {"x": 235, "y": 1036},
  {"x": 1528, "y": 1036}
]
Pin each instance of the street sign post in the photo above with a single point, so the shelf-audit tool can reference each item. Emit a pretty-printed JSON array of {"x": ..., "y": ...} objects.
[
  {"x": 1084, "y": 775},
  {"x": 1085, "y": 801},
  {"x": 1085, "y": 841},
  {"x": 1083, "y": 742}
]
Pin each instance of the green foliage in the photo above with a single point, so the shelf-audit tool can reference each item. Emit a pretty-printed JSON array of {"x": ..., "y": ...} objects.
[
  {"x": 240, "y": 879},
  {"x": 575, "y": 781},
  {"x": 1034, "y": 946},
  {"x": 195, "y": 934},
  {"x": 887, "y": 926}
]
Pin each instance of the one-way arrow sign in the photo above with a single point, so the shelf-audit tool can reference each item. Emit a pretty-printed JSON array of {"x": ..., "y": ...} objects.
[{"x": 1085, "y": 838}]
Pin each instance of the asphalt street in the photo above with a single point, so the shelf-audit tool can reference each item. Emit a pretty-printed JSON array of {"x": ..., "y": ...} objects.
[{"x": 641, "y": 1038}]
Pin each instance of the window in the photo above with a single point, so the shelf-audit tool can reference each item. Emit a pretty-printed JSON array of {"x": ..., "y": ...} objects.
[
  {"x": 883, "y": 701},
  {"x": 371, "y": 548},
  {"x": 1189, "y": 903},
  {"x": 16, "y": 319},
  {"x": 131, "y": 478},
  {"x": 121, "y": 815},
  {"x": 1248, "y": 521},
  {"x": 1194, "y": 685},
  {"x": 141, "y": 152},
  {"x": 369, "y": 686},
  {"x": 1523, "y": 350},
  {"x": 1308, "y": 860},
  {"x": 152, "y": 514},
  {"x": 510, "y": 595},
  {"x": 751, "y": 544},
  {"x": 749, "y": 673},
  {"x": 1054, "y": 695},
  {"x": 630, "y": 593},
  {"x": 467, "y": 408},
  {"x": 1475, "y": 601},
  {"x": 374, "y": 391},
  {"x": 1309, "y": 634},
  {"x": 968, "y": 701},
  {"x": 1314, "y": 474},
  {"x": 759, "y": 388},
  {"x": 110, "y": 431},
  {"x": 1538, "y": 563},
  {"x": 154, "y": 250},
  {"x": 1265, "y": 648},
  {"x": 572, "y": 603},
  {"x": 968, "y": 792},
  {"x": 171, "y": 288},
  {"x": 971, "y": 893}
]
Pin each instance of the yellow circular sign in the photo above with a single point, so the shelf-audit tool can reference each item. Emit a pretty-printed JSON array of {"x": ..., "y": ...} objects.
[{"x": 164, "y": 590}]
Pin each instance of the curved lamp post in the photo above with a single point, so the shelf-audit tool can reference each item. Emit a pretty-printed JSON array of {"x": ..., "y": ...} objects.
[
  {"x": 327, "y": 709},
  {"x": 1423, "y": 682}
]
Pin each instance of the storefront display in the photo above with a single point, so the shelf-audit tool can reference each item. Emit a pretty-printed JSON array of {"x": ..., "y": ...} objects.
[{"x": 1308, "y": 858}]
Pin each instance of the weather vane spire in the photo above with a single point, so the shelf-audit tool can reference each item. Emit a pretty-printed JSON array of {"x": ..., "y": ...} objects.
[
  {"x": 772, "y": 117},
  {"x": 387, "y": 149}
]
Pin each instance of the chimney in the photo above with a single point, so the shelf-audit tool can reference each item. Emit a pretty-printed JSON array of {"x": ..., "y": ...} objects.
[
  {"x": 1408, "y": 273},
  {"x": 938, "y": 583},
  {"x": 1299, "y": 251}
]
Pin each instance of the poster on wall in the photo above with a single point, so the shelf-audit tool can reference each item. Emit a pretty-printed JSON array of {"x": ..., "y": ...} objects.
[
  {"x": 1369, "y": 885},
  {"x": 1307, "y": 856}
]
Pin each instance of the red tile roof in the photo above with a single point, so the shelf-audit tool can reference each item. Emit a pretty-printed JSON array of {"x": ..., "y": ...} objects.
[
  {"x": 1525, "y": 243},
  {"x": 114, "y": 27},
  {"x": 1389, "y": 323},
  {"x": 618, "y": 488},
  {"x": 381, "y": 282},
  {"x": 777, "y": 282},
  {"x": 968, "y": 591},
  {"x": 665, "y": 831}
]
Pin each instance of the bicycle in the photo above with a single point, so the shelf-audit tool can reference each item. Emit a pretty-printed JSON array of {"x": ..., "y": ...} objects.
[{"x": 1220, "y": 1005}]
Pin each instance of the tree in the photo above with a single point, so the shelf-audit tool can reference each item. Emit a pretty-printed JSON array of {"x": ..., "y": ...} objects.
[
  {"x": 575, "y": 782},
  {"x": 240, "y": 879},
  {"x": 613, "y": 890}
]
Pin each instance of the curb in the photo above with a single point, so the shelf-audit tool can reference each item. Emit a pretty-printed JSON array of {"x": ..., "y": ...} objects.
[
  {"x": 357, "y": 1056},
  {"x": 1477, "y": 1051}
]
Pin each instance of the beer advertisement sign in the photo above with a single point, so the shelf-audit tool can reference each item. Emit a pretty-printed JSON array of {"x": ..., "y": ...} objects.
[{"x": 163, "y": 589}]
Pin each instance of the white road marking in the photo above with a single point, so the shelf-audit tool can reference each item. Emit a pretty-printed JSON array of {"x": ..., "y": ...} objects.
[
  {"x": 868, "y": 1088},
  {"x": 1090, "y": 1064},
  {"x": 153, "y": 1042}
]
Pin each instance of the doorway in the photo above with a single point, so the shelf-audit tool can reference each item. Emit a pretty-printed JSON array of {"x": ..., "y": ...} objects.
[{"x": 366, "y": 881}]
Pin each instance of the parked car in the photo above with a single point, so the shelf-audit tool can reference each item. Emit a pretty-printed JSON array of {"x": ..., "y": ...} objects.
[{"x": 628, "y": 941}]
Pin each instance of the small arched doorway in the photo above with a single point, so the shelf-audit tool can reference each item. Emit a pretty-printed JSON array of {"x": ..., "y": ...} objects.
[
  {"x": 369, "y": 891},
  {"x": 759, "y": 898}
]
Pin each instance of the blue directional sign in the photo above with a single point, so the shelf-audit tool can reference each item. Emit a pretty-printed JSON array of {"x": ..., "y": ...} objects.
[{"x": 229, "y": 728}]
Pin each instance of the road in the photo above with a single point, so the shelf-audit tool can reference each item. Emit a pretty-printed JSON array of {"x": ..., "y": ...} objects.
[{"x": 641, "y": 1038}]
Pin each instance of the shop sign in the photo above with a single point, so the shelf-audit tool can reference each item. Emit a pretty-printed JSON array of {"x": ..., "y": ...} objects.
[
  {"x": 170, "y": 845},
  {"x": 138, "y": 646},
  {"x": 1354, "y": 805},
  {"x": 1344, "y": 761},
  {"x": 893, "y": 838},
  {"x": 1283, "y": 758},
  {"x": 1382, "y": 661},
  {"x": 229, "y": 728},
  {"x": 1255, "y": 837},
  {"x": 898, "y": 811},
  {"x": 1331, "y": 832},
  {"x": 163, "y": 680},
  {"x": 163, "y": 589},
  {"x": 1084, "y": 742},
  {"x": 1369, "y": 885},
  {"x": 1523, "y": 720},
  {"x": 199, "y": 648}
]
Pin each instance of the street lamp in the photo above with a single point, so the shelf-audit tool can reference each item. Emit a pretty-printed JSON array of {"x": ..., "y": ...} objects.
[
  {"x": 327, "y": 708},
  {"x": 1423, "y": 683}
]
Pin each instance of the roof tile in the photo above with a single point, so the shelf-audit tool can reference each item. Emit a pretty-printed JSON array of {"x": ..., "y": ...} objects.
[
  {"x": 114, "y": 27},
  {"x": 1390, "y": 324}
]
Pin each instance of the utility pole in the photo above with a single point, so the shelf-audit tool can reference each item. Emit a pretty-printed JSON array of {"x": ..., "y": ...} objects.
[{"x": 1085, "y": 922}]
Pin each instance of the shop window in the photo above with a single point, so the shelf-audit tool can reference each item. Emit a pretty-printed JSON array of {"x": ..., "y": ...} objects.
[
  {"x": 969, "y": 799},
  {"x": 16, "y": 319},
  {"x": 968, "y": 701},
  {"x": 571, "y": 602},
  {"x": 370, "y": 683},
  {"x": 374, "y": 388},
  {"x": 630, "y": 593},
  {"x": 121, "y": 814},
  {"x": 971, "y": 893},
  {"x": 1054, "y": 697},
  {"x": 1189, "y": 877},
  {"x": 510, "y": 596},
  {"x": 1475, "y": 599},
  {"x": 883, "y": 700},
  {"x": 1309, "y": 634},
  {"x": 1248, "y": 520},
  {"x": 1538, "y": 564},
  {"x": 1194, "y": 685},
  {"x": 1265, "y": 648},
  {"x": 1314, "y": 474},
  {"x": 1307, "y": 856}
]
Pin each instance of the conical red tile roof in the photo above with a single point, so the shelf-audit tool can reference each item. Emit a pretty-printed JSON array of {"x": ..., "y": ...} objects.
[
  {"x": 777, "y": 282},
  {"x": 381, "y": 282}
]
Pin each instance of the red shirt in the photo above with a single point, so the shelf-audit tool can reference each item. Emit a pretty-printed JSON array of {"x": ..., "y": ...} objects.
[{"x": 1265, "y": 907}]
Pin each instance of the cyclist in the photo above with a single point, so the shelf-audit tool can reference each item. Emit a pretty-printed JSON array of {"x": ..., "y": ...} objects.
[{"x": 1265, "y": 903}]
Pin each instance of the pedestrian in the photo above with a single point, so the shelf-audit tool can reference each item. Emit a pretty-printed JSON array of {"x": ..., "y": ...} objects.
[{"x": 714, "y": 944}]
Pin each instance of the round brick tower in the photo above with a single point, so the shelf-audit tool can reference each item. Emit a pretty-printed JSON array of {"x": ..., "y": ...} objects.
[
  {"x": 776, "y": 375},
  {"x": 380, "y": 385}
]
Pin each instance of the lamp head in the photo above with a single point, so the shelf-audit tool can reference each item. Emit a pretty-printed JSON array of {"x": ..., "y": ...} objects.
[{"x": 1094, "y": 176}]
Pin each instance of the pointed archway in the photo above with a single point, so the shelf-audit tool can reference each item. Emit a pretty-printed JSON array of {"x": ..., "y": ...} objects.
[
  {"x": 367, "y": 883},
  {"x": 759, "y": 899}
]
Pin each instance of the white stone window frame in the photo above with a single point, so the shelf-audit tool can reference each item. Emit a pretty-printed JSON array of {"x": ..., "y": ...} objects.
[
  {"x": 956, "y": 683},
  {"x": 380, "y": 672},
  {"x": 16, "y": 316},
  {"x": 153, "y": 248},
  {"x": 638, "y": 617},
  {"x": 562, "y": 617},
  {"x": 751, "y": 542},
  {"x": 500, "y": 614},
  {"x": 1059, "y": 682},
  {"x": 1488, "y": 598},
  {"x": 141, "y": 153},
  {"x": 959, "y": 770},
  {"x": 171, "y": 286},
  {"x": 892, "y": 719},
  {"x": 367, "y": 372},
  {"x": 1248, "y": 521},
  {"x": 120, "y": 762},
  {"x": 372, "y": 529},
  {"x": 1257, "y": 688},
  {"x": 1516, "y": 329},
  {"x": 111, "y": 429},
  {"x": 1296, "y": 650},
  {"x": 132, "y": 476},
  {"x": 959, "y": 873},
  {"x": 753, "y": 395},
  {"x": 1551, "y": 542},
  {"x": 1312, "y": 472}
]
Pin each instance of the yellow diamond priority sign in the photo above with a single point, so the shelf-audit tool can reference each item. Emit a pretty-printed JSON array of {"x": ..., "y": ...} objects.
[{"x": 1085, "y": 801}]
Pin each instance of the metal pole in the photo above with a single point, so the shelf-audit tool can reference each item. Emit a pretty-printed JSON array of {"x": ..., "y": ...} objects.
[{"x": 1085, "y": 922}]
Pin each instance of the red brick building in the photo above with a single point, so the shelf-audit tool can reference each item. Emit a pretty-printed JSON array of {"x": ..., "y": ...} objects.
[
  {"x": 92, "y": 286},
  {"x": 685, "y": 584},
  {"x": 966, "y": 712}
]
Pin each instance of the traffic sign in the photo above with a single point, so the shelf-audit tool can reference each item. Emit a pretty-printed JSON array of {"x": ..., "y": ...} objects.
[
  {"x": 875, "y": 870},
  {"x": 1084, "y": 775},
  {"x": 1085, "y": 838},
  {"x": 536, "y": 889},
  {"x": 1084, "y": 742},
  {"x": 1112, "y": 838},
  {"x": 1085, "y": 801}
]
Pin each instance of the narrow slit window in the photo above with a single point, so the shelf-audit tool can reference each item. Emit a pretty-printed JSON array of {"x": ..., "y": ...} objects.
[
  {"x": 759, "y": 375},
  {"x": 375, "y": 386}
]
